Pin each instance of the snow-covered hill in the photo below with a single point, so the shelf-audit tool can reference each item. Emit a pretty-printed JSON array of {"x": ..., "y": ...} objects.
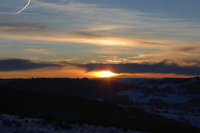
[
  {"x": 173, "y": 98},
  {"x": 15, "y": 124}
]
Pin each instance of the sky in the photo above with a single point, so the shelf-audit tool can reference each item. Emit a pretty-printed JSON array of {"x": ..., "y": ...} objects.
[{"x": 77, "y": 38}]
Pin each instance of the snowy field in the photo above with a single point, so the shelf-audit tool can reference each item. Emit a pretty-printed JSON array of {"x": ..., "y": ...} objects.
[
  {"x": 15, "y": 124},
  {"x": 167, "y": 98}
]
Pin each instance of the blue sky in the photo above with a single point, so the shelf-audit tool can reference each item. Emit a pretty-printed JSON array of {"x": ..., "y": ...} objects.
[{"x": 100, "y": 31}]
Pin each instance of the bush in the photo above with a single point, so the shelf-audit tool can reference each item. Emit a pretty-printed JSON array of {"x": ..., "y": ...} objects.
[{"x": 7, "y": 123}]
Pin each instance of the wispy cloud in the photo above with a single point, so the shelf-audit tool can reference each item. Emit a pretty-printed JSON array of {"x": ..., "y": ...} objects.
[
  {"x": 96, "y": 25},
  {"x": 40, "y": 51},
  {"x": 134, "y": 22},
  {"x": 190, "y": 49},
  {"x": 122, "y": 22},
  {"x": 38, "y": 32},
  {"x": 118, "y": 32}
]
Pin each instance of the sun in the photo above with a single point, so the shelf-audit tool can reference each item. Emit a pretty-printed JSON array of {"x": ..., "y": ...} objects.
[{"x": 104, "y": 74}]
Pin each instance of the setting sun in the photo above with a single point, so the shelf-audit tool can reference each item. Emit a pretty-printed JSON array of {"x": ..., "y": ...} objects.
[{"x": 104, "y": 74}]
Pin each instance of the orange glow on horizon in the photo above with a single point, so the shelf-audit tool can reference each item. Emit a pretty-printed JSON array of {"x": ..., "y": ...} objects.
[
  {"x": 104, "y": 74},
  {"x": 75, "y": 72}
]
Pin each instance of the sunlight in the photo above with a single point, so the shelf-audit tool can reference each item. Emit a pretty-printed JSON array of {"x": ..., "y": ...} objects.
[{"x": 104, "y": 74}]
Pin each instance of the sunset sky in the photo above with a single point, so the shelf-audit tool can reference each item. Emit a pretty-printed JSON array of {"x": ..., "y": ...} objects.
[{"x": 78, "y": 38}]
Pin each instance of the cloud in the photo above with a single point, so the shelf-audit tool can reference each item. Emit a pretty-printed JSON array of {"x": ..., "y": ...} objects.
[
  {"x": 190, "y": 62},
  {"x": 23, "y": 64},
  {"x": 40, "y": 51},
  {"x": 15, "y": 23},
  {"x": 189, "y": 49},
  {"x": 95, "y": 25},
  {"x": 112, "y": 21},
  {"x": 11, "y": 6},
  {"x": 105, "y": 27},
  {"x": 165, "y": 67},
  {"x": 36, "y": 32},
  {"x": 114, "y": 29},
  {"x": 136, "y": 21}
]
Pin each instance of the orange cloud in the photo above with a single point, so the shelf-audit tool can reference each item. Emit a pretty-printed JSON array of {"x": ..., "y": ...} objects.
[{"x": 64, "y": 72}]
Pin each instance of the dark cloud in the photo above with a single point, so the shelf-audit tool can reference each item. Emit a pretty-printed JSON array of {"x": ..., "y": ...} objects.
[
  {"x": 13, "y": 23},
  {"x": 19, "y": 24},
  {"x": 22, "y": 64},
  {"x": 189, "y": 49},
  {"x": 161, "y": 67},
  {"x": 25, "y": 27},
  {"x": 89, "y": 34}
]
